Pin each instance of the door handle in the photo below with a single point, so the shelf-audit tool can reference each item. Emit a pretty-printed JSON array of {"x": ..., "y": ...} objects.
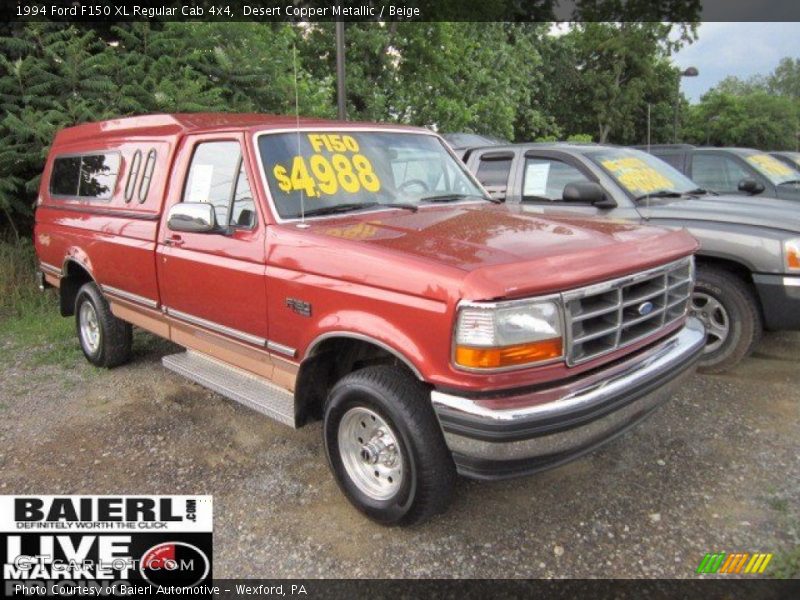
[{"x": 174, "y": 240}]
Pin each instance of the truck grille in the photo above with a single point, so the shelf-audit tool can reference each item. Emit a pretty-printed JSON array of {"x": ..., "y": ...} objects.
[{"x": 604, "y": 317}]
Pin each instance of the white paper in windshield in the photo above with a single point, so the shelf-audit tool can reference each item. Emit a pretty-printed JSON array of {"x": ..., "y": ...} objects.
[
  {"x": 536, "y": 175},
  {"x": 200, "y": 185}
]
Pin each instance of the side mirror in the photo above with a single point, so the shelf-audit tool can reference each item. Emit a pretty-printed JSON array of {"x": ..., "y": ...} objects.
[
  {"x": 192, "y": 217},
  {"x": 587, "y": 192},
  {"x": 750, "y": 186}
]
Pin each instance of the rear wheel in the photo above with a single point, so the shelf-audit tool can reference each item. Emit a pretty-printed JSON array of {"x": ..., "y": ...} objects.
[
  {"x": 729, "y": 311},
  {"x": 105, "y": 340},
  {"x": 385, "y": 446}
]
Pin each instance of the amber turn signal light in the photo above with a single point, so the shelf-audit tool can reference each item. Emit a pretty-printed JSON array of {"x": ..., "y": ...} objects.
[
  {"x": 508, "y": 356},
  {"x": 793, "y": 258}
]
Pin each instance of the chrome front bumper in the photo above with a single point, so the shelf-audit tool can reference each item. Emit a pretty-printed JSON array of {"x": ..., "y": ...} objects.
[{"x": 493, "y": 436}]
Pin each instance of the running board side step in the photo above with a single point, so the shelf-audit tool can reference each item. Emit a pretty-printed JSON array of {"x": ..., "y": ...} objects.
[{"x": 236, "y": 384}]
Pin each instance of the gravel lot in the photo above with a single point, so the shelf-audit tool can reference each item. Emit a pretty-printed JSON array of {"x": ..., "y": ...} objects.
[{"x": 715, "y": 470}]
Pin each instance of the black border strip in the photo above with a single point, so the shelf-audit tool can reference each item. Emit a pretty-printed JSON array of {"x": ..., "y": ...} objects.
[{"x": 94, "y": 11}]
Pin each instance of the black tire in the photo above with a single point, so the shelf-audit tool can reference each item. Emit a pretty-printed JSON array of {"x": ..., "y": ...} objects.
[
  {"x": 114, "y": 336},
  {"x": 428, "y": 471},
  {"x": 739, "y": 307}
]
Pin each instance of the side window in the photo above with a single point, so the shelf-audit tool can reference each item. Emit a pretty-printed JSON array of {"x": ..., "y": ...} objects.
[
  {"x": 147, "y": 176},
  {"x": 133, "y": 175},
  {"x": 493, "y": 172},
  {"x": 243, "y": 209},
  {"x": 673, "y": 160},
  {"x": 546, "y": 178},
  {"x": 98, "y": 175},
  {"x": 716, "y": 172},
  {"x": 65, "y": 176},
  {"x": 217, "y": 176},
  {"x": 90, "y": 176}
]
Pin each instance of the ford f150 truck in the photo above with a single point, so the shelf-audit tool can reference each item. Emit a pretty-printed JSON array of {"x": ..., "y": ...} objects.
[
  {"x": 748, "y": 266},
  {"x": 358, "y": 274}
]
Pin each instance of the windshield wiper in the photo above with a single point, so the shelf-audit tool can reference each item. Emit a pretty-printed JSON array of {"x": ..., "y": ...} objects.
[
  {"x": 339, "y": 208},
  {"x": 535, "y": 198},
  {"x": 790, "y": 182},
  {"x": 353, "y": 206},
  {"x": 406, "y": 205},
  {"x": 456, "y": 198},
  {"x": 697, "y": 192},
  {"x": 659, "y": 194}
]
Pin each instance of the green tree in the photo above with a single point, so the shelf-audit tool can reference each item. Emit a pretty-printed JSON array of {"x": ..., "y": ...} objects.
[
  {"x": 757, "y": 119},
  {"x": 759, "y": 112},
  {"x": 785, "y": 79},
  {"x": 607, "y": 73},
  {"x": 50, "y": 77},
  {"x": 55, "y": 75},
  {"x": 477, "y": 77}
]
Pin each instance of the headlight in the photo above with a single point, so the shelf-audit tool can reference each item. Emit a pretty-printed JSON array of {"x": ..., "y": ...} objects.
[
  {"x": 791, "y": 252},
  {"x": 501, "y": 335}
]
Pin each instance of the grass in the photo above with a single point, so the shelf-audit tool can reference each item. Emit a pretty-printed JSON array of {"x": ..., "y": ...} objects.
[
  {"x": 786, "y": 565},
  {"x": 30, "y": 324}
]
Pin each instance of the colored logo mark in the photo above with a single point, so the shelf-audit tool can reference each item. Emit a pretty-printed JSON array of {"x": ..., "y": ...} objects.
[{"x": 738, "y": 562}]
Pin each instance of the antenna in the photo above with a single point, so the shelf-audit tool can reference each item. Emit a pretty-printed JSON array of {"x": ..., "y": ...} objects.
[{"x": 302, "y": 223}]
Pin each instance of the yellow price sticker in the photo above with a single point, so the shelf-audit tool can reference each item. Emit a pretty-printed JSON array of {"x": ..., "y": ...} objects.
[
  {"x": 319, "y": 174},
  {"x": 636, "y": 175},
  {"x": 769, "y": 164}
]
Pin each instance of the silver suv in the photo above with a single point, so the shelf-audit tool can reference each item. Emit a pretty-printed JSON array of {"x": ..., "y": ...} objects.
[{"x": 748, "y": 268}]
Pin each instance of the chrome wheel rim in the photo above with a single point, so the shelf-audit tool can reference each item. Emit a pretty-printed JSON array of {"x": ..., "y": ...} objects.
[
  {"x": 90, "y": 328},
  {"x": 713, "y": 315},
  {"x": 370, "y": 452}
]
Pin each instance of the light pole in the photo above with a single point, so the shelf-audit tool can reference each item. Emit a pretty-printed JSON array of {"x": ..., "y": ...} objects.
[
  {"x": 711, "y": 121},
  {"x": 689, "y": 72},
  {"x": 340, "y": 89}
]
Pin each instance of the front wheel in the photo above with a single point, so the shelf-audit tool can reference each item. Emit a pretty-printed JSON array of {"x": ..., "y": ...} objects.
[
  {"x": 385, "y": 446},
  {"x": 729, "y": 311}
]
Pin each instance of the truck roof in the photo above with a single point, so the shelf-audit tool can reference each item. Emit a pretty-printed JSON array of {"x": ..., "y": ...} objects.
[{"x": 176, "y": 124}]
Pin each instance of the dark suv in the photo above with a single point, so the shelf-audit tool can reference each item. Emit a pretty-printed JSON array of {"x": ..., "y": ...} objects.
[{"x": 742, "y": 171}]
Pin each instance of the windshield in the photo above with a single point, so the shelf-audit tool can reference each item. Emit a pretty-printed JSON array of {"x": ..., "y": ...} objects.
[
  {"x": 770, "y": 167},
  {"x": 640, "y": 173},
  {"x": 795, "y": 157},
  {"x": 319, "y": 172}
]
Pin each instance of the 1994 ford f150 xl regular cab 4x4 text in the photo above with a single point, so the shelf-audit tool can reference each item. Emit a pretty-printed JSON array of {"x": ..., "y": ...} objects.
[{"x": 359, "y": 274}]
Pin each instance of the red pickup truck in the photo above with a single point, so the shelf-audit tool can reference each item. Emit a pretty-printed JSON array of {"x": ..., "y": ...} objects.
[{"x": 358, "y": 274}]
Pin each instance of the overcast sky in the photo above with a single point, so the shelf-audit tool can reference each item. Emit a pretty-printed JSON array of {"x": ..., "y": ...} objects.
[{"x": 741, "y": 49}]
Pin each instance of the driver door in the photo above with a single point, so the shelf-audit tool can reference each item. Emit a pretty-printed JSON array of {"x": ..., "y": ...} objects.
[{"x": 215, "y": 281}]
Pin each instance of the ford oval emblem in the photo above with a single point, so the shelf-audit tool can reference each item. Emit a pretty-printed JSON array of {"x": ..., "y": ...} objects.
[{"x": 645, "y": 308}]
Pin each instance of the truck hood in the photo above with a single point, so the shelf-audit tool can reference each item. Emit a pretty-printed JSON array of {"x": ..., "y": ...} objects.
[
  {"x": 497, "y": 251},
  {"x": 741, "y": 210}
]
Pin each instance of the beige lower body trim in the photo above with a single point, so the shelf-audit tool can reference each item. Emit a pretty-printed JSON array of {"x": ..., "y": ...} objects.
[
  {"x": 151, "y": 320},
  {"x": 281, "y": 372}
]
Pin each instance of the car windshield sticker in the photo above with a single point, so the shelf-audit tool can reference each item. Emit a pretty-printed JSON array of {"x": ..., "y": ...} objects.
[
  {"x": 536, "y": 179},
  {"x": 331, "y": 163},
  {"x": 636, "y": 175},
  {"x": 200, "y": 185},
  {"x": 769, "y": 165}
]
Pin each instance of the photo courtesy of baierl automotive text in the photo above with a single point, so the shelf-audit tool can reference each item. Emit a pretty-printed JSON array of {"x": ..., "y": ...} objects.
[{"x": 311, "y": 299}]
